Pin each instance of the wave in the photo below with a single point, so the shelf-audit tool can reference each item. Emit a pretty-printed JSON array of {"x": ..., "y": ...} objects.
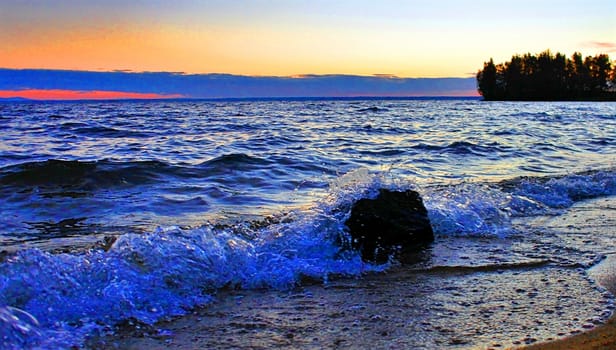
[
  {"x": 165, "y": 273},
  {"x": 85, "y": 175},
  {"x": 372, "y": 109},
  {"x": 459, "y": 208},
  {"x": 92, "y": 175},
  {"x": 559, "y": 192},
  {"x": 133, "y": 196},
  {"x": 488, "y": 208},
  {"x": 102, "y": 131},
  {"x": 55, "y": 300},
  {"x": 463, "y": 148},
  {"x": 236, "y": 161}
]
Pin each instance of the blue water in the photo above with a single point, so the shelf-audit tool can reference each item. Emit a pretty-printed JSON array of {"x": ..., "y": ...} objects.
[{"x": 143, "y": 210}]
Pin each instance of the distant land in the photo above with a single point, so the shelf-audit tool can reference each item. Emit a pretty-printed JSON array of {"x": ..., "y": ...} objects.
[
  {"x": 549, "y": 77},
  {"x": 44, "y": 84},
  {"x": 14, "y": 99}
]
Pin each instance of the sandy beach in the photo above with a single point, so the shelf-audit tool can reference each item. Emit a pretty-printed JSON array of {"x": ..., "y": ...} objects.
[
  {"x": 370, "y": 312},
  {"x": 602, "y": 337}
]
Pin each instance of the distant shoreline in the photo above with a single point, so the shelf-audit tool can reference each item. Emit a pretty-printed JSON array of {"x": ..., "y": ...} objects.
[
  {"x": 588, "y": 99},
  {"x": 239, "y": 99},
  {"x": 297, "y": 99}
]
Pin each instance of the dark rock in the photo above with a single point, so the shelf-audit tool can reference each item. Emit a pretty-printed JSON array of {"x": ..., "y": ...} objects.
[{"x": 392, "y": 223}]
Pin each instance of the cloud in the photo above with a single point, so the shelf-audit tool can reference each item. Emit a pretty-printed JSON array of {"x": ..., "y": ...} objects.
[
  {"x": 232, "y": 86},
  {"x": 57, "y": 94},
  {"x": 607, "y": 46}
]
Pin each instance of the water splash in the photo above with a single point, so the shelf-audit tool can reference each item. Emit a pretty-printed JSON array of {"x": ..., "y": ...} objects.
[
  {"x": 18, "y": 329},
  {"x": 479, "y": 209},
  {"x": 168, "y": 272},
  {"x": 56, "y": 300}
]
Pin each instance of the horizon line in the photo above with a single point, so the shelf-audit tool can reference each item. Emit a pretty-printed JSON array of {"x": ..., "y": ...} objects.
[
  {"x": 231, "y": 99},
  {"x": 291, "y": 76}
]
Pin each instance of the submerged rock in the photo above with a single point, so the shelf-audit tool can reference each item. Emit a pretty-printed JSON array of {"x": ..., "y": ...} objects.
[{"x": 393, "y": 223}]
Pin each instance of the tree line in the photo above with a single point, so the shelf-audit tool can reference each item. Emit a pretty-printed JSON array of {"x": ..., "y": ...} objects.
[{"x": 549, "y": 77}]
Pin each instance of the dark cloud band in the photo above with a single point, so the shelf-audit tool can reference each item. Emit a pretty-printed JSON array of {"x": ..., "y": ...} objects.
[{"x": 234, "y": 86}]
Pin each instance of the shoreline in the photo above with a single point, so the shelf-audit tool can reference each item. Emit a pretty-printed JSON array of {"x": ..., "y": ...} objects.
[
  {"x": 369, "y": 312},
  {"x": 601, "y": 337}
]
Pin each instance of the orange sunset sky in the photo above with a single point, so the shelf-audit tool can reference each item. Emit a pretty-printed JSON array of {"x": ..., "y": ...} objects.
[{"x": 284, "y": 38}]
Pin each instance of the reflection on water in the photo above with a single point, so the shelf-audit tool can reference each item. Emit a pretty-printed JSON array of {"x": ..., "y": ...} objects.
[{"x": 144, "y": 210}]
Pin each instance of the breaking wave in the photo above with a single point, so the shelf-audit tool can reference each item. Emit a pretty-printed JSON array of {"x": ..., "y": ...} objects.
[{"x": 55, "y": 300}]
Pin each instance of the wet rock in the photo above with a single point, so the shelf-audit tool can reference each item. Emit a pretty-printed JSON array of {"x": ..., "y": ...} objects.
[{"x": 393, "y": 223}]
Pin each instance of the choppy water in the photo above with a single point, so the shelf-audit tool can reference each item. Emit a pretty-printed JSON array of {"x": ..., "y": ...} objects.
[{"x": 184, "y": 185}]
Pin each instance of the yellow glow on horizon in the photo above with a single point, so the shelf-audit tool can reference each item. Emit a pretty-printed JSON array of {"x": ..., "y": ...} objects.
[
  {"x": 238, "y": 50},
  {"x": 288, "y": 38}
]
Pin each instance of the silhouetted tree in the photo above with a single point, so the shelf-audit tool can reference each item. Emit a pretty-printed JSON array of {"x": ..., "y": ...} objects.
[
  {"x": 599, "y": 67},
  {"x": 548, "y": 77},
  {"x": 486, "y": 80},
  {"x": 514, "y": 76}
]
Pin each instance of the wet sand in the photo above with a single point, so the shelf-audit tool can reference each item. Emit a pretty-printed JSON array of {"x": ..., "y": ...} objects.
[
  {"x": 367, "y": 313},
  {"x": 602, "y": 337},
  {"x": 596, "y": 216}
]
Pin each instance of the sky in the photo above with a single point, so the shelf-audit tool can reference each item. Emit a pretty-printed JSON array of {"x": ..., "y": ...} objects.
[{"x": 407, "y": 39}]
